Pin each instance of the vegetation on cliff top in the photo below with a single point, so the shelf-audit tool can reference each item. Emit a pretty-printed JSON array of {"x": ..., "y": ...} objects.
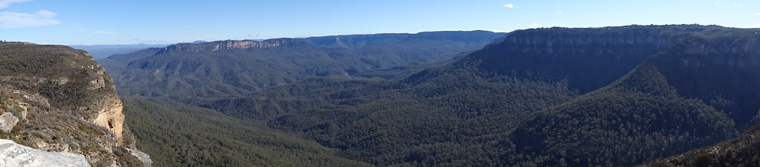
[{"x": 55, "y": 92}]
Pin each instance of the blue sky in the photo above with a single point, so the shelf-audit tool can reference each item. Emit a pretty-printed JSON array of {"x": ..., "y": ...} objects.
[{"x": 76, "y": 22}]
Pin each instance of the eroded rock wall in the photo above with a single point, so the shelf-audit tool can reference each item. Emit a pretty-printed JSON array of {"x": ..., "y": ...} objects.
[{"x": 61, "y": 100}]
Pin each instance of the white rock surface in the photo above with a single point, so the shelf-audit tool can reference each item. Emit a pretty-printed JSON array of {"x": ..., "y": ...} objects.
[
  {"x": 7, "y": 122},
  {"x": 16, "y": 155},
  {"x": 145, "y": 158}
]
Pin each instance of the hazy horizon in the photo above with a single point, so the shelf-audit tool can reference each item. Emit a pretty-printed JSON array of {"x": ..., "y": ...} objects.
[{"x": 80, "y": 22}]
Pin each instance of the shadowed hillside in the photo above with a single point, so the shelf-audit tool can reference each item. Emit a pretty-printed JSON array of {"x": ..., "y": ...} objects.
[{"x": 741, "y": 151}]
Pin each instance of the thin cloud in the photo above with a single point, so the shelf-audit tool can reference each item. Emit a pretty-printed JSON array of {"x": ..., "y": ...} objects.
[
  {"x": 510, "y": 6},
  {"x": 757, "y": 14},
  {"x": 18, "y": 20},
  {"x": 738, "y": 5},
  {"x": 5, "y": 3},
  {"x": 103, "y": 32},
  {"x": 559, "y": 12}
]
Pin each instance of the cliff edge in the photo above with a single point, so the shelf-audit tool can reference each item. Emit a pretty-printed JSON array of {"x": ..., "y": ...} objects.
[{"x": 56, "y": 98}]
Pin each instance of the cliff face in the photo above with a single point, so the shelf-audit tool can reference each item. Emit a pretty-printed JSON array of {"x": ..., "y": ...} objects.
[
  {"x": 673, "y": 88},
  {"x": 589, "y": 58},
  {"x": 718, "y": 67},
  {"x": 226, "y": 45},
  {"x": 55, "y": 98},
  {"x": 111, "y": 118},
  {"x": 359, "y": 41},
  {"x": 581, "y": 42}
]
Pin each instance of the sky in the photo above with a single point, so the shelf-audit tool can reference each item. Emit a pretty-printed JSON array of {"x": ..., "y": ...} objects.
[{"x": 98, "y": 22}]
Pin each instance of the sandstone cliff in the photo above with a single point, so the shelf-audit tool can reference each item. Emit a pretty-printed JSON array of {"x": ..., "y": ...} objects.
[
  {"x": 226, "y": 45},
  {"x": 55, "y": 98},
  {"x": 589, "y": 58}
]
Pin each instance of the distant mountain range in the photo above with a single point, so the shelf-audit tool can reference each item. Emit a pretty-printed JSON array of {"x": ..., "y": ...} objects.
[
  {"x": 545, "y": 97},
  {"x": 99, "y": 52},
  {"x": 202, "y": 71},
  {"x": 612, "y": 96}
]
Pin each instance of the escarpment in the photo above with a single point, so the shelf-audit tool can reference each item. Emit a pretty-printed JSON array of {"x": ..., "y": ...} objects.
[
  {"x": 589, "y": 58},
  {"x": 718, "y": 67},
  {"x": 226, "y": 45},
  {"x": 62, "y": 100}
]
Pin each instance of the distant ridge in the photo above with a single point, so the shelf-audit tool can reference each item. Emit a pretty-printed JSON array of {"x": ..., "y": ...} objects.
[
  {"x": 227, "y": 45},
  {"x": 236, "y": 68}
]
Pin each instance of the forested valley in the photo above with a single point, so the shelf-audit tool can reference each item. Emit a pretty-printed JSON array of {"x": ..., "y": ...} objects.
[{"x": 611, "y": 96}]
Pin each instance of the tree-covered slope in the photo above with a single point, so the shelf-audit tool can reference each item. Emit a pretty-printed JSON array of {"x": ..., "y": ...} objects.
[
  {"x": 741, "y": 151},
  {"x": 397, "y": 122},
  {"x": 612, "y": 96},
  {"x": 720, "y": 68},
  {"x": 516, "y": 103},
  {"x": 636, "y": 119},
  {"x": 589, "y": 58},
  {"x": 191, "y": 136},
  {"x": 688, "y": 96}
]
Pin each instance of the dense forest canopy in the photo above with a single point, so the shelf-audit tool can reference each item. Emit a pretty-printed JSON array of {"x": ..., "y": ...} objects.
[{"x": 612, "y": 96}]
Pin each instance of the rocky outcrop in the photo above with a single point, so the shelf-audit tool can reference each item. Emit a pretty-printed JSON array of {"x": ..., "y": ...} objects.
[
  {"x": 55, "y": 98},
  {"x": 12, "y": 154},
  {"x": 7, "y": 122},
  {"x": 143, "y": 157},
  {"x": 111, "y": 118}
]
